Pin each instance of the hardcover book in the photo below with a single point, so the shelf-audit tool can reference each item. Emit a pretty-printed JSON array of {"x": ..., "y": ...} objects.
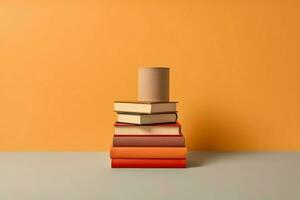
[
  {"x": 155, "y": 129},
  {"x": 143, "y": 119},
  {"x": 144, "y": 107},
  {"x": 148, "y": 163},
  {"x": 148, "y": 141},
  {"x": 148, "y": 152}
]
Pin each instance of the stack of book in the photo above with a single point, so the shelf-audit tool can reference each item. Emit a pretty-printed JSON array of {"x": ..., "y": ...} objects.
[{"x": 147, "y": 135}]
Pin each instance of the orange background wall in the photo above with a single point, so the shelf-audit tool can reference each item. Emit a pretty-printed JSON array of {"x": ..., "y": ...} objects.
[{"x": 235, "y": 70}]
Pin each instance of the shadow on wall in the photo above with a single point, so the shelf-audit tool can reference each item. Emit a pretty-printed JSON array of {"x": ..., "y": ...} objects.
[{"x": 213, "y": 131}]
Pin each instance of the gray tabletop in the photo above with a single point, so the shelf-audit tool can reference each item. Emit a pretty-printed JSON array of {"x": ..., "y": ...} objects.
[{"x": 84, "y": 176}]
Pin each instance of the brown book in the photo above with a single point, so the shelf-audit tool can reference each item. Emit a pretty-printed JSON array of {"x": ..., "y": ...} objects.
[{"x": 149, "y": 141}]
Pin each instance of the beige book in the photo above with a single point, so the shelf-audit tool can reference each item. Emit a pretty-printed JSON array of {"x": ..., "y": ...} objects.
[
  {"x": 147, "y": 118},
  {"x": 144, "y": 107},
  {"x": 156, "y": 129}
]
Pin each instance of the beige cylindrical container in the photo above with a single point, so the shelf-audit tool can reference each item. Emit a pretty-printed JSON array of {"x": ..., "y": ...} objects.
[{"x": 153, "y": 84}]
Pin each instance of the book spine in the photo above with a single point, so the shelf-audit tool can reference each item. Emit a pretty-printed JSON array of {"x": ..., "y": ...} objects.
[
  {"x": 148, "y": 152},
  {"x": 148, "y": 163},
  {"x": 148, "y": 141}
]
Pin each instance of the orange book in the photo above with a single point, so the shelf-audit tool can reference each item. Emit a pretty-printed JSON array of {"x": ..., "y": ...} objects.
[{"x": 148, "y": 152}]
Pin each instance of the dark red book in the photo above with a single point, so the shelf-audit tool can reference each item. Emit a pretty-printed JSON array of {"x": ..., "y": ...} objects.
[
  {"x": 148, "y": 141},
  {"x": 148, "y": 163}
]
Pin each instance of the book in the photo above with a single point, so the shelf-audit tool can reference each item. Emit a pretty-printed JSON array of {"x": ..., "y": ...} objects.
[
  {"x": 143, "y": 119},
  {"x": 154, "y": 129},
  {"x": 148, "y": 152},
  {"x": 148, "y": 141},
  {"x": 144, "y": 107},
  {"x": 148, "y": 163}
]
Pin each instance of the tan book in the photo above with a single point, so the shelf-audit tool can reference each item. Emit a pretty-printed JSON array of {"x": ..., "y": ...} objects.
[
  {"x": 147, "y": 118},
  {"x": 155, "y": 129},
  {"x": 144, "y": 107}
]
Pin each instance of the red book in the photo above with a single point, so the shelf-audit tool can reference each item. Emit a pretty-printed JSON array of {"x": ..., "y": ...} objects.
[{"x": 148, "y": 163}]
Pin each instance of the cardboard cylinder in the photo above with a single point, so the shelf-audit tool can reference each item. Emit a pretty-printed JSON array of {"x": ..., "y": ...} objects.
[{"x": 153, "y": 84}]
